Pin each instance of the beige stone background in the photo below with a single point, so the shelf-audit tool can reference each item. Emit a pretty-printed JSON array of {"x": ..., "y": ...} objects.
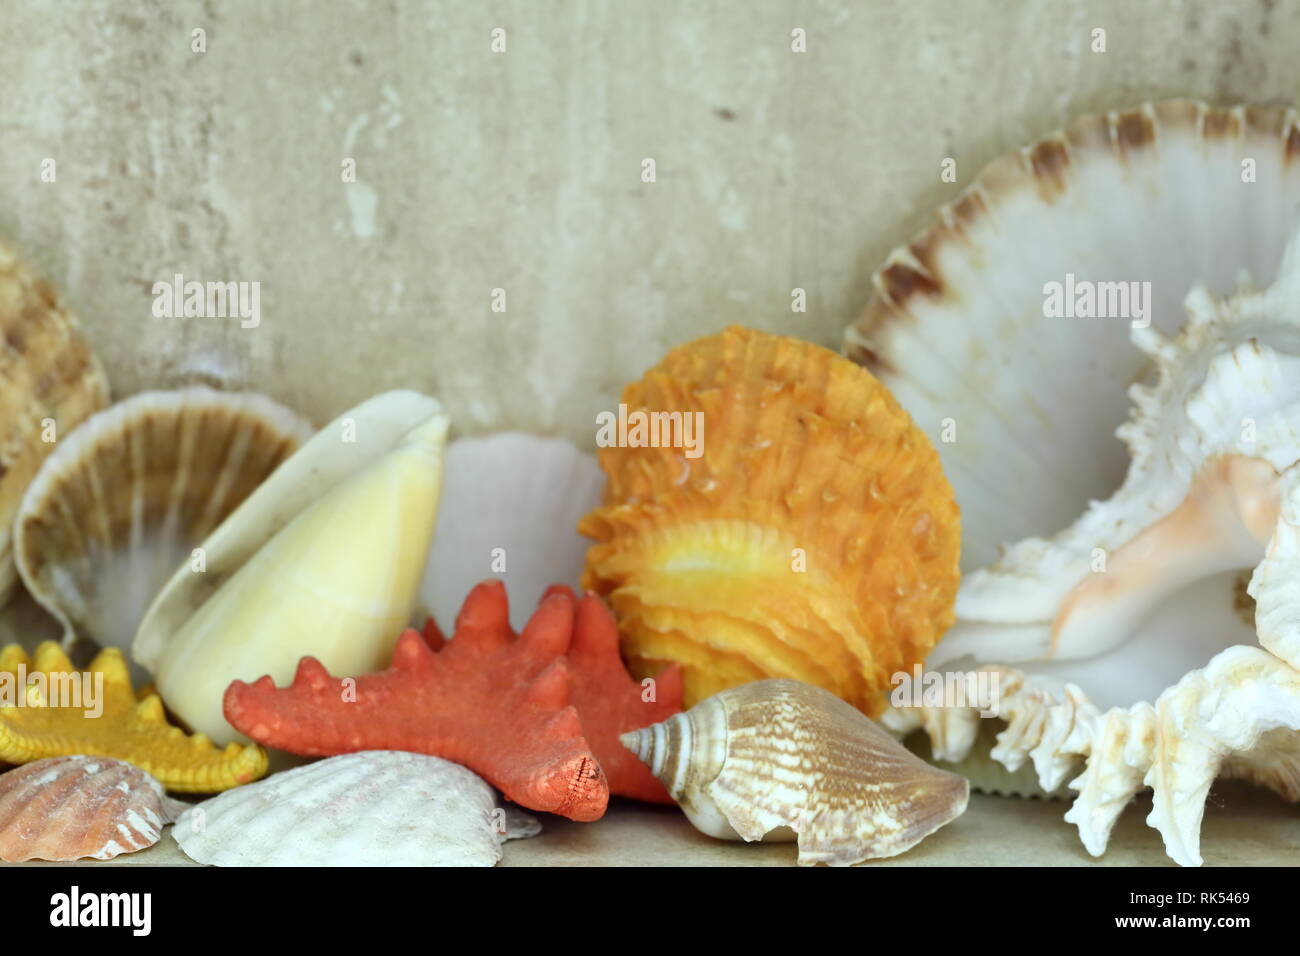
[{"x": 522, "y": 171}]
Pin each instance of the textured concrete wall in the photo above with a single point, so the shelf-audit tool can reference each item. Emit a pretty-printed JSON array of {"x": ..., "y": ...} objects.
[{"x": 523, "y": 170}]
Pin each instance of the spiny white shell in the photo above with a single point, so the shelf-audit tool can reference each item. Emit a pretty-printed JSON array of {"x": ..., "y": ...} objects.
[
  {"x": 372, "y": 808},
  {"x": 72, "y": 808},
  {"x": 510, "y": 509},
  {"x": 126, "y": 496},
  {"x": 1213, "y": 486},
  {"x": 783, "y": 759},
  {"x": 323, "y": 559}
]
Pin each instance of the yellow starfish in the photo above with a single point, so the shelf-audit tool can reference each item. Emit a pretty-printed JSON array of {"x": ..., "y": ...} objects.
[{"x": 49, "y": 709}]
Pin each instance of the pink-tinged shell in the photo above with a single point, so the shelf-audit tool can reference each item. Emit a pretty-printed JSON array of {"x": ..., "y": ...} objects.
[{"x": 73, "y": 808}]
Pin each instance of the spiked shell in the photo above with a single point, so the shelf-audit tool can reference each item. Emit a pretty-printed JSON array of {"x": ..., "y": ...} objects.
[
  {"x": 779, "y": 754},
  {"x": 119, "y": 723},
  {"x": 78, "y": 807},
  {"x": 1133, "y": 668},
  {"x": 324, "y": 559},
  {"x": 814, "y": 538},
  {"x": 49, "y": 382},
  {"x": 372, "y": 808},
  {"x": 127, "y": 496}
]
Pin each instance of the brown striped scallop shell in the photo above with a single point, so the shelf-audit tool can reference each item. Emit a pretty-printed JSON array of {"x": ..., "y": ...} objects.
[
  {"x": 50, "y": 381},
  {"x": 780, "y": 758},
  {"x": 73, "y": 808}
]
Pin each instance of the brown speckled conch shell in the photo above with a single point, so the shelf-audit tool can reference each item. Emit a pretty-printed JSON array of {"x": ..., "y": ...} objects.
[{"x": 779, "y": 755}]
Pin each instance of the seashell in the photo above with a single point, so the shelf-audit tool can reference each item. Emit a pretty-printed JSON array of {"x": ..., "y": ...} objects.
[
  {"x": 78, "y": 807},
  {"x": 323, "y": 559},
  {"x": 780, "y": 754},
  {"x": 1132, "y": 668},
  {"x": 956, "y": 326},
  {"x": 50, "y": 381},
  {"x": 50, "y": 709},
  {"x": 510, "y": 503},
  {"x": 126, "y": 497},
  {"x": 372, "y": 808},
  {"x": 814, "y": 536}
]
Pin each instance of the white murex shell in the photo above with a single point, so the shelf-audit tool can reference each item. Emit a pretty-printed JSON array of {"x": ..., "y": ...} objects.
[
  {"x": 1129, "y": 601},
  {"x": 371, "y": 808}
]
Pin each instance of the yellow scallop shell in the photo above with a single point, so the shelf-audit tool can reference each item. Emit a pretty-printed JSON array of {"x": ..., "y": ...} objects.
[{"x": 812, "y": 535}]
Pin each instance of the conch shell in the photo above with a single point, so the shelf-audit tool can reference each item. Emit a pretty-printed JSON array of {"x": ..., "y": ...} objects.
[
  {"x": 780, "y": 755},
  {"x": 1109, "y": 694},
  {"x": 372, "y": 808},
  {"x": 73, "y": 808},
  {"x": 813, "y": 537},
  {"x": 127, "y": 496},
  {"x": 323, "y": 559},
  {"x": 50, "y": 381}
]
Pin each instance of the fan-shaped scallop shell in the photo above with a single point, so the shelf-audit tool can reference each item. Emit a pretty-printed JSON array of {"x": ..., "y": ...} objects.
[
  {"x": 371, "y": 808},
  {"x": 810, "y": 534},
  {"x": 1133, "y": 668},
  {"x": 779, "y": 754},
  {"x": 50, "y": 381},
  {"x": 126, "y": 497},
  {"x": 73, "y": 808}
]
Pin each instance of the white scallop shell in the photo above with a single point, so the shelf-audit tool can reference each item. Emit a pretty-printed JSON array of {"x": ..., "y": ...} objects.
[
  {"x": 510, "y": 509},
  {"x": 126, "y": 496},
  {"x": 1109, "y": 679},
  {"x": 72, "y": 808},
  {"x": 371, "y": 808}
]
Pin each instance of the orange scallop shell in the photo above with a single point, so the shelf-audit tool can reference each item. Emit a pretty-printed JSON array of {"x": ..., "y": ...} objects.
[
  {"x": 814, "y": 536},
  {"x": 73, "y": 808}
]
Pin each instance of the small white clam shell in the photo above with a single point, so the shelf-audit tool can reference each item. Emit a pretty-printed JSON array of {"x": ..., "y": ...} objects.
[
  {"x": 780, "y": 759},
  {"x": 372, "y": 808},
  {"x": 510, "y": 509},
  {"x": 72, "y": 808}
]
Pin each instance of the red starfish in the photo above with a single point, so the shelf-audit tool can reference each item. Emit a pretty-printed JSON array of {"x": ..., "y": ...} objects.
[{"x": 493, "y": 702}]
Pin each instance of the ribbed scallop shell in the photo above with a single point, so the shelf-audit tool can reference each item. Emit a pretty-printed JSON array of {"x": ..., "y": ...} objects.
[
  {"x": 372, "y": 808},
  {"x": 814, "y": 538},
  {"x": 126, "y": 497},
  {"x": 778, "y": 753},
  {"x": 73, "y": 808},
  {"x": 48, "y": 377}
]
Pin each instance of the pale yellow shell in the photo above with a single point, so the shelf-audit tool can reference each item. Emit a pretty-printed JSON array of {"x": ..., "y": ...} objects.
[
  {"x": 780, "y": 758},
  {"x": 323, "y": 559},
  {"x": 126, "y": 497}
]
